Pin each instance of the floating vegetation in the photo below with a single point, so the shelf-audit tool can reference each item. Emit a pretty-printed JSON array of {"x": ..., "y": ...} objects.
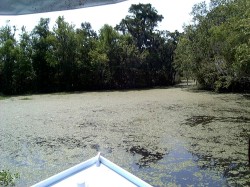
[
  {"x": 88, "y": 124},
  {"x": 220, "y": 143},
  {"x": 26, "y": 98},
  {"x": 69, "y": 142},
  {"x": 204, "y": 120},
  {"x": 95, "y": 147},
  {"x": 197, "y": 120},
  {"x": 166, "y": 136},
  {"x": 246, "y": 96},
  {"x": 236, "y": 172},
  {"x": 147, "y": 156}
]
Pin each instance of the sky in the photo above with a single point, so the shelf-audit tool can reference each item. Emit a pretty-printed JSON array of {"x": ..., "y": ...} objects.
[{"x": 175, "y": 13}]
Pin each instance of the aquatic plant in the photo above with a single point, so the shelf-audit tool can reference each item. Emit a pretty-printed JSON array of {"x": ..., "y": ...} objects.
[{"x": 7, "y": 178}]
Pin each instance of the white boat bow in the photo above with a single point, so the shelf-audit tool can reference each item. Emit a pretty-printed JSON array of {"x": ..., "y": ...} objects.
[{"x": 95, "y": 172}]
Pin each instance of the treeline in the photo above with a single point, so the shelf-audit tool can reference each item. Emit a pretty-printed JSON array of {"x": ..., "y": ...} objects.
[
  {"x": 131, "y": 55},
  {"x": 215, "y": 48}
]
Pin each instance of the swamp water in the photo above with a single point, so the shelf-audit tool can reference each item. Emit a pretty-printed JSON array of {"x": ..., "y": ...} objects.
[{"x": 168, "y": 137}]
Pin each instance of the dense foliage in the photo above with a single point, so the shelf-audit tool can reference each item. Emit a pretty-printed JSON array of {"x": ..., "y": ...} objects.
[
  {"x": 65, "y": 58},
  {"x": 215, "y": 48}
]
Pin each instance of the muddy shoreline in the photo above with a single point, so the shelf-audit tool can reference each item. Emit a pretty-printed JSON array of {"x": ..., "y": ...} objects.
[{"x": 171, "y": 136}]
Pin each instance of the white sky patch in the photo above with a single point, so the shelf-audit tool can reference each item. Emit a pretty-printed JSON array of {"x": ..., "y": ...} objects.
[{"x": 175, "y": 13}]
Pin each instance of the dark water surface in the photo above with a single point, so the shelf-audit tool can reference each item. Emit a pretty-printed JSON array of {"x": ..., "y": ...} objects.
[{"x": 168, "y": 137}]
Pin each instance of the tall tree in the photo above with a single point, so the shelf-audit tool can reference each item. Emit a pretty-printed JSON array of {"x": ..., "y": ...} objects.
[
  {"x": 24, "y": 74},
  {"x": 65, "y": 53},
  {"x": 141, "y": 24},
  {"x": 219, "y": 41},
  {"x": 183, "y": 61},
  {"x": 109, "y": 41},
  {"x": 86, "y": 42},
  {"x": 41, "y": 47},
  {"x": 7, "y": 59}
]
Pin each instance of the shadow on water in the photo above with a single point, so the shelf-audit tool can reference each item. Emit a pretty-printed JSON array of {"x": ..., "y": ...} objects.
[
  {"x": 183, "y": 169},
  {"x": 148, "y": 157},
  {"x": 178, "y": 167}
]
